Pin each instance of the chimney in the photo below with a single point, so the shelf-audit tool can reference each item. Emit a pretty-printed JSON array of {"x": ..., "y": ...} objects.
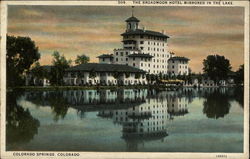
[{"x": 163, "y": 31}]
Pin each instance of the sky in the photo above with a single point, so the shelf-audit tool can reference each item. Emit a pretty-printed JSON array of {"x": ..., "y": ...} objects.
[{"x": 195, "y": 32}]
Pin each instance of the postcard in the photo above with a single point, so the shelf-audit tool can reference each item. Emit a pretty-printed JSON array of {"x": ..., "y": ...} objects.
[{"x": 125, "y": 79}]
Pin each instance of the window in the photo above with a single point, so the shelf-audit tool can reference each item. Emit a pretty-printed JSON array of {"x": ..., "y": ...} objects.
[
  {"x": 148, "y": 48},
  {"x": 141, "y": 48},
  {"x": 116, "y": 59},
  {"x": 103, "y": 59},
  {"x": 116, "y": 53},
  {"x": 126, "y": 59},
  {"x": 121, "y": 53},
  {"x": 133, "y": 58},
  {"x": 142, "y": 37},
  {"x": 133, "y": 64},
  {"x": 173, "y": 66},
  {"x": 141, "y": 64},
  {"x": 141, "y": 42},
  {"x": 148, "y": 43},
  {"x": 126, "y": 53}
]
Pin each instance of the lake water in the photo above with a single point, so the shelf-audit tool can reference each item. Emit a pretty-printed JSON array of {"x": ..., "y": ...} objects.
[{"x": 186, "y": 120}]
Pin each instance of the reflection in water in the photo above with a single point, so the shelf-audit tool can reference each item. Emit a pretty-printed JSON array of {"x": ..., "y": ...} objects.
[
  {"x": 238, "y": 96},
  {"x": 147, "y": 121},
  {"x": 217, "y": 101},
  {"x": 20, "y": 125},
  {"x": 55, "y": 100},
  {"x": 86, "y": 100},
  {"x": 59, "y": 106},
  {"x": 144, "y": 115}
]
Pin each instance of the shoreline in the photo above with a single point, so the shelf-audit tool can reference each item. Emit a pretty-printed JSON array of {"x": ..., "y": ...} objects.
[{"x": 55, "y": 88}]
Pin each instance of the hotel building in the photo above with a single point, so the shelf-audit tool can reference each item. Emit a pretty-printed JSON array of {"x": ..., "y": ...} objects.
[{"x": 146, "y": 50}]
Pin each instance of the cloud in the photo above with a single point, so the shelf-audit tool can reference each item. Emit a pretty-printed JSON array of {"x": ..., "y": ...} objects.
[{"x": 194, "y": 32}]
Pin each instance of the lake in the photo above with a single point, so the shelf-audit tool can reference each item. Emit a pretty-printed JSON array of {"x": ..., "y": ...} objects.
[{"x": 130, "y": 120}]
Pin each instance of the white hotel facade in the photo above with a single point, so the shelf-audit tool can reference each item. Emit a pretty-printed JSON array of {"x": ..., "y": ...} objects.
[
  {"x": 146, "y": 50},
  {"x": 143, "y": 52}
]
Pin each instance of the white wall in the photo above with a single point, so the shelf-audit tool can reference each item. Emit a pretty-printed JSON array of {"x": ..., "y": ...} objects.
[
  {"x": 107, "y": 60},
  {"x": 156, "y": 48},
  {"x": 106, "y": 77},
  {"x": 178, "y": 67}
]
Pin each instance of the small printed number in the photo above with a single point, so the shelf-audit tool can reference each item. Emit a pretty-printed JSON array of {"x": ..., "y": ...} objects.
[{"x": 221, "y": 156}]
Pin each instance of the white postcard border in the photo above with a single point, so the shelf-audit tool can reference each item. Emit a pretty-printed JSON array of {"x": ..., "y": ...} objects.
[{"x": 9, "y": 154}]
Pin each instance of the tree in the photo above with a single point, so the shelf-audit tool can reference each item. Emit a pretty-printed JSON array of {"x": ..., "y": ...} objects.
[
  {"x": 39, "y": 72},
  {"x": 137, "y": 75},
  {"x": 21, "y": 54},
  {"x": 239, "y": 75},
  {"x": 160, "y": 76},
  {"x": 21, "y": 126},
  {"x": 127, "y": 74},
  {"x": 190, "y": 71},
  {"x": 116, "y": 75},
  {"x": 60, "y": 64},
  {"x": 199, "y": 77},
  {"x": 189, "y": 78},
  {"x": 165, "y": 76},
  {"x": 152, "y": 78},
  {"x": 92, "y": 74},
  {"x": 148, "y": 78},
  {"x": 81, "y": 59},
  {"x": 217, "y": 67}
]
